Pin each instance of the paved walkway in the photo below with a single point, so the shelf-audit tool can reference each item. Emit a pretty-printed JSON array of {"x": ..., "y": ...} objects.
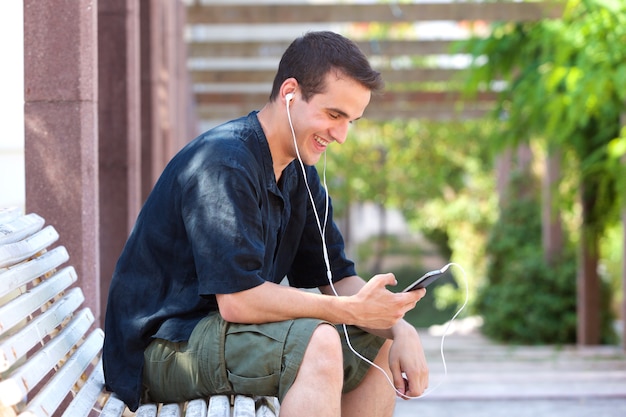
[{"x": 487, "y": 379}]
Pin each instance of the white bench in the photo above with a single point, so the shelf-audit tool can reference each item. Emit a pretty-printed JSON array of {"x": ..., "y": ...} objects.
[{"x": 49, "y": 352}]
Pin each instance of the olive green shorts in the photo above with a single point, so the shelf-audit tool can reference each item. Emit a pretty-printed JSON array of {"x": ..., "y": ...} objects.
[{"x": 255, "y": 359}]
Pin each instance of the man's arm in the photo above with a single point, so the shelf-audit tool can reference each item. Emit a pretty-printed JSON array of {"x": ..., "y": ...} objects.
[{"x": 368, "y": 305}]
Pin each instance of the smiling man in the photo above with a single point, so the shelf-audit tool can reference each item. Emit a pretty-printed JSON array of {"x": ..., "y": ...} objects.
[{"x": 195, "y": 305}]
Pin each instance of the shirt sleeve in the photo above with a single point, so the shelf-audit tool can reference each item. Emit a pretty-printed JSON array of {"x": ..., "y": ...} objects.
[{"x": 223, "y": 222}]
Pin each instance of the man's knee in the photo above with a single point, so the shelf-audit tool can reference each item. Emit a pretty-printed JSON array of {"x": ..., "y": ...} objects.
[
  {"x": 324, "y": 351},
  {"x": 320, "y": 378}
]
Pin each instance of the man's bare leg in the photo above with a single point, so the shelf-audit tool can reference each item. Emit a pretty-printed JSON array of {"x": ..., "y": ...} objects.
[
  {"x": 317, "y": 389},
  {"x": 374, "y": 396}
]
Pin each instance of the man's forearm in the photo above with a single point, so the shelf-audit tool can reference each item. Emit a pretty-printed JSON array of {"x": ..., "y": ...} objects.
[
  {"x": 271, "y": 302},
  {"x": 368, "y": 305}
]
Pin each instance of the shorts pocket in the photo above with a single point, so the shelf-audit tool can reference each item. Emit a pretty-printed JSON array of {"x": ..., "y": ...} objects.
[
  {"x": 263, "y": 385},
  {"x": 276, "y": 331},
  {"x": 254, "y": 356}
]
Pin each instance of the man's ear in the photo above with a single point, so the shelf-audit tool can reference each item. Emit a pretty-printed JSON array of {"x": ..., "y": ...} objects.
[{"x": 288, "y": 88}]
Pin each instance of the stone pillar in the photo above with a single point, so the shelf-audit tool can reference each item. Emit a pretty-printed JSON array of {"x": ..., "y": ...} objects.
[
  {"x": 164, "y": 87},
  {"x": 152, "y": 93},
  {"x": 187, "y": 112},
  {"x": 119, "y": 116},
  {"x": 61, "y": 134}
]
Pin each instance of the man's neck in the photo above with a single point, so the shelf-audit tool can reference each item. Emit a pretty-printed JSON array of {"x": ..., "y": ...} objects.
[{"x": 272, "y": 121}]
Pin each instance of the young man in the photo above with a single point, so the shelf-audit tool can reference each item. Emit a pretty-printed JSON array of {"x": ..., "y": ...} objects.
[{"x": 195, "y": 306}]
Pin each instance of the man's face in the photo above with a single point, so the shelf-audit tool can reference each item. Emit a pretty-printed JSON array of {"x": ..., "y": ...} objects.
[{"x": 326, "y": 117}]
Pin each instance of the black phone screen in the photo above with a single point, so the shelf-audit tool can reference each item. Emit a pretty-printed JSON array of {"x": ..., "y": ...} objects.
[{"x": 424, "y": 281}]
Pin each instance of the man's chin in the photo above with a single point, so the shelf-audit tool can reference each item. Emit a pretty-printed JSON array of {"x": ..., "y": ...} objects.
[{"x": 313, "y": 160}]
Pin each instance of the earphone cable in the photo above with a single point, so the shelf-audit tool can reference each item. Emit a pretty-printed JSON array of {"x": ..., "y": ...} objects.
[{"x": 321, "y": 229}]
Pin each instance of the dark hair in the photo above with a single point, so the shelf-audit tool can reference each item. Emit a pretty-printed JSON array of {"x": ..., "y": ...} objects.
[{"x": 311, "y": 57}]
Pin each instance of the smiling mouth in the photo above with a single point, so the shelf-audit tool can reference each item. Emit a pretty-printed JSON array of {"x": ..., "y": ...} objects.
[{"x": 321, "y": 141}]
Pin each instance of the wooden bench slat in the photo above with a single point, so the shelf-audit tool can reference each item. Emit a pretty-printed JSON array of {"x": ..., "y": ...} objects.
[
  {"x": 219, "y": 406},
  {"x": 147, "y": 410},
  {"x": 19, "y": 228},
  {"x": 196, "y": 408},
  {"x": 21, "y": 307},
  {"x": 88, "y": 395},
  {"x": 23, "y": 341},
  {"x": 170, "y": 410},
  {"x": 54, "y": 392},
  {"x": 8, "y": 214},
  {"x": 114, "y": 407},
  {"x": 27, "y": 376},
  {"x": 44, "y": 338},
  {"x": 19, "y": 275},
  {"x": 244, "y": 406},
  {"x": 14, "y": 253}
]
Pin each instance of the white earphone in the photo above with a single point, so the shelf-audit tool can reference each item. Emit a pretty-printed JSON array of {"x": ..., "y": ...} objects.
[{"x": 289, "y": 97}]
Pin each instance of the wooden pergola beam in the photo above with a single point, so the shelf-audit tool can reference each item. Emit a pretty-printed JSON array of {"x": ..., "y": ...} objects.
[
  {"x": 231, "y": 76},
  {"x": 388, "y": 106},
  {"x": 426, "y": 111},
  {"x": 391, "y": 76},
  {"x": 400, "y": 97},
  {"x": 255, "y": 49},
  {"x": 341, "y": 13}
]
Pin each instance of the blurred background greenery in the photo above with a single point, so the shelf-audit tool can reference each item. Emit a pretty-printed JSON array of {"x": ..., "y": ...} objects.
[{"x": 528, "y": 199}]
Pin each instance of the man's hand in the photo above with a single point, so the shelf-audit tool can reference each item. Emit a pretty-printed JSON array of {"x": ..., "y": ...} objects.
[
  {"x": 406, "y": 359},
  {"x": 372, "y": 305}
]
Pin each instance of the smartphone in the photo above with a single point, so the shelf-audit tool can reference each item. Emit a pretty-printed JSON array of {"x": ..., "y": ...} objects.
[{"x": 425, "y": 280}]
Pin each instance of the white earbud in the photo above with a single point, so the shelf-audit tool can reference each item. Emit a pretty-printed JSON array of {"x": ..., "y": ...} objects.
[{"x": 289, "y": 97}]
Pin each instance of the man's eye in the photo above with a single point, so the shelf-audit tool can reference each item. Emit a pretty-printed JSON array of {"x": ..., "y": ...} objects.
[{"x": 333, "y": 116}]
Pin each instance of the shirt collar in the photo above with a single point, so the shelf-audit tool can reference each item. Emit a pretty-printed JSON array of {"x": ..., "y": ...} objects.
[{"x": 289, "y": 172}]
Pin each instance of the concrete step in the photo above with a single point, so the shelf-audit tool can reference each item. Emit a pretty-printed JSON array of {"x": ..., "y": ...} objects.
[
  {"x": 490, "y": 379},
  {"x": 479, "y": 368}
]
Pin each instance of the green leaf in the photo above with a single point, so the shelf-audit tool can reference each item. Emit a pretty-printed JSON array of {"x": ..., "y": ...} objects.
[
  {"x": 617, "y": 147},
  {"x": 612, "y": 5}
]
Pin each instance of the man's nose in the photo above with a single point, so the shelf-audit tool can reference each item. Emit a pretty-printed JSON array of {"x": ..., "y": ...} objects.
[{"x": 340, "y": 132}]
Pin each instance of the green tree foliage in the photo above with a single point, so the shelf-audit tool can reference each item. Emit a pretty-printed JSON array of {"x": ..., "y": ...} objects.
[
  {"x": 437, "y": 174},
  {"x": 562, "y": 82},
  {"x": 525, "y": 300},
  {"x": 440, "y": 175}
]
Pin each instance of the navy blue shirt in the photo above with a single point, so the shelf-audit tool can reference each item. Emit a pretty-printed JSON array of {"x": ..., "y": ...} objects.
[{"x": 216, "y": 222}]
